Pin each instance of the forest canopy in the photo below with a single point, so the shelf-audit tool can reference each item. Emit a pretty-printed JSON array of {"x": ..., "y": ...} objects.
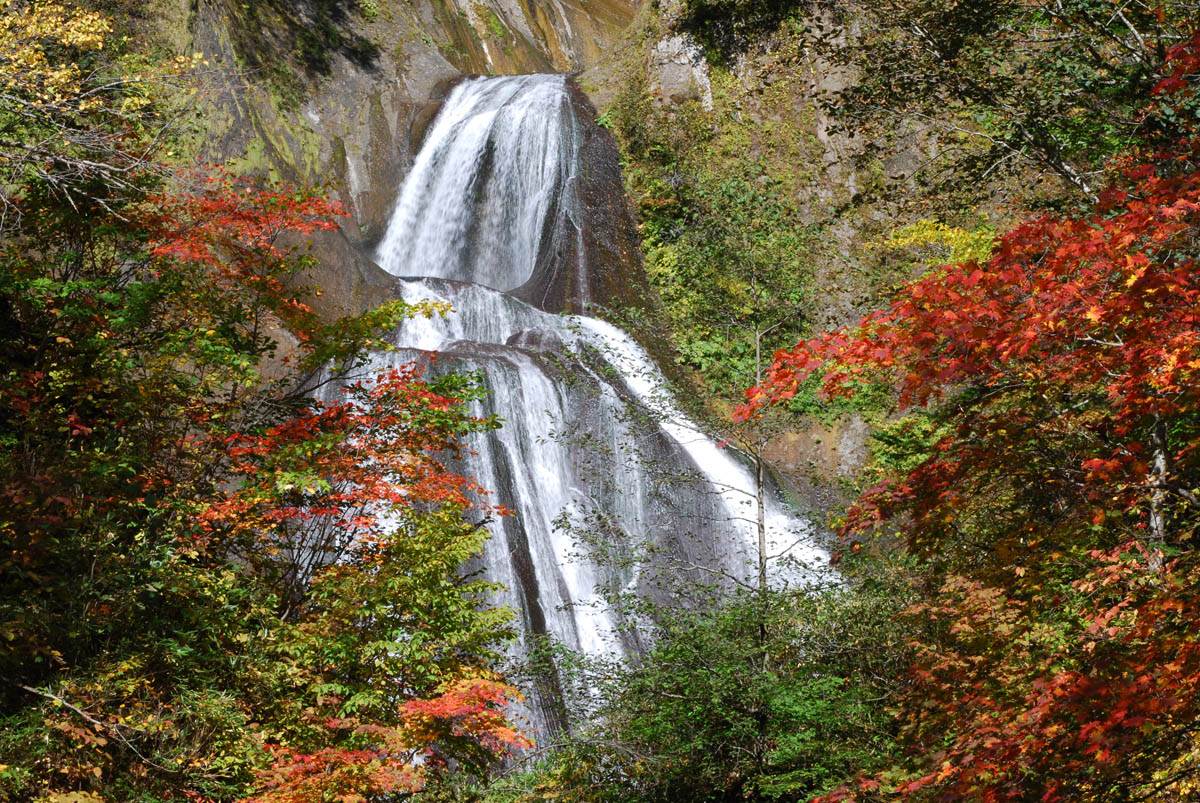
[
  {"x": 1054, "y": 504},
  {"x": 213, "y": 586}
]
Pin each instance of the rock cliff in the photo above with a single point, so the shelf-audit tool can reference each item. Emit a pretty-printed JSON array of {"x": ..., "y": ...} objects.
[{"x": 339, "y": 93}]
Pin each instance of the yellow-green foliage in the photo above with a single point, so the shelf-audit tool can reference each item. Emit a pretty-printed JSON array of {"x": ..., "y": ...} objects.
[
  {"x": 494, "y": 24},
  {"x": 937, "y": 243},
  {"x": 29, "y": 35}
]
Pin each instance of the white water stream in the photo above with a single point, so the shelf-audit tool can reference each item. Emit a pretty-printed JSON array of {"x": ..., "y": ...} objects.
[
  {"x": 590, "y": 429},
  {"x": 500, "y": 155}
]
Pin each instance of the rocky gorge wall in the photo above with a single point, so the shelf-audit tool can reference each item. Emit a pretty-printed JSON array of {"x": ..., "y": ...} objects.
[
  {"x": 339, "y": 93},
  {"x": 700, "y": 105}
]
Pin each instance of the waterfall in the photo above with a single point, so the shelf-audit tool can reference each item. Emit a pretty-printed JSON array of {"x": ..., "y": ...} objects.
[
  {"x": 590, "y": 432},
  {"x": 475, "y": 207}
]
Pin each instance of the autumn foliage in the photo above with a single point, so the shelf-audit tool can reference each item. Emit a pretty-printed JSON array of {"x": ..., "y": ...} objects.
[
  {"x": 229, "y": 553},
  {"x": 173, "y": 495},
  {"x": 469, "y": 711},
  {"x": 1055, "y": 506}
]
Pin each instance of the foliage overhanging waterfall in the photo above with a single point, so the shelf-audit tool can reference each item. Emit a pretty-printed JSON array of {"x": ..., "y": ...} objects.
[{"x": 591, "y": 442}]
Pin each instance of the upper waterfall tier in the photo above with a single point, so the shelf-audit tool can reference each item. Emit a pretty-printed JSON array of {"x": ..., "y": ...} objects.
[{"x": 495, "y": 174}]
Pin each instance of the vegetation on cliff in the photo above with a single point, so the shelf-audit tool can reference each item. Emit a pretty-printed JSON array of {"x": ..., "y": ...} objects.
[{"x": 832, "y": 126}]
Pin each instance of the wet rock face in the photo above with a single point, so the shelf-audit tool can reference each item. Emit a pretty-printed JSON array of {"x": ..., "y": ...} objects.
[
  {"x": 593, "y": 256},
  {"x": 597, "y": 466}
]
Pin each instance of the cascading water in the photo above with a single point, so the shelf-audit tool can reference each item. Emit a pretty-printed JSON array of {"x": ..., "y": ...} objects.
[
  {"x": 481, "y": 200},
  {"x": 590, "y": 433}
]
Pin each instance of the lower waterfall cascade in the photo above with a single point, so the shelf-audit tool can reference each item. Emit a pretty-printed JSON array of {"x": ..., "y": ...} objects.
[{"x": 590, "y": 432}]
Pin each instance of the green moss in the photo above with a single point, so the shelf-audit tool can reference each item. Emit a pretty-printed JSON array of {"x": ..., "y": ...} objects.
[
  {"x": 452, "y": 52},
  {"x": 495, "y": 25}
]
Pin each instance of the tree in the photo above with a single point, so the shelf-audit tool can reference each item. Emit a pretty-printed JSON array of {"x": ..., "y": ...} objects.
[
  {"x": 1052, "y": 86},
  {"x": 699, "y": 719},
  {"x": 210, "y": 582},
  {"x": 71, "y": 122},
  {"x": 154, "y": 478},
  {"x": 1053, "y": 499}
]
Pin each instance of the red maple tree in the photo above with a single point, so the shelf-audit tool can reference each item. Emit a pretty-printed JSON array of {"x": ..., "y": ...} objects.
[
  {"x": 1059, "y": 652},
  {"x": 202, "y": 562}
]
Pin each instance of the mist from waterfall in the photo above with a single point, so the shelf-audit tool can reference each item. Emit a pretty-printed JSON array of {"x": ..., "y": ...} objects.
[{"x": 590, "y": 433}]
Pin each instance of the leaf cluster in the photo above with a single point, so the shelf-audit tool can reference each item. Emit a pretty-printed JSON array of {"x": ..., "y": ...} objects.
[{"x": 1048, "y": 481}]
